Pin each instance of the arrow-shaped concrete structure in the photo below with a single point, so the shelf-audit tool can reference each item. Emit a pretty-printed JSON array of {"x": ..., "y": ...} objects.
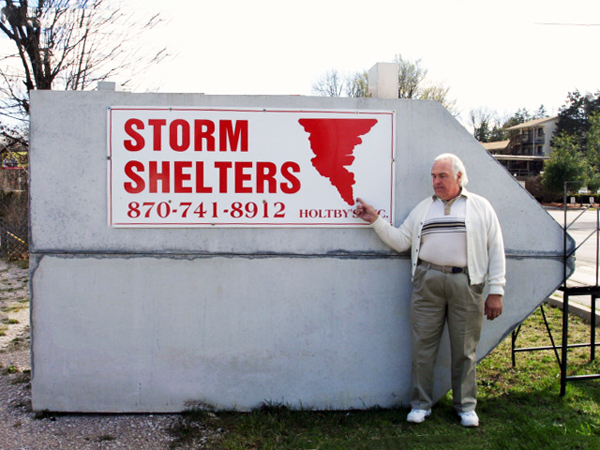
[{"x": 152, "y": 320}]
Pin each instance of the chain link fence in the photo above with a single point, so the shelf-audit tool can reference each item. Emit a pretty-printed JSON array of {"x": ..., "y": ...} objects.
[{"x": 14, "y": 214}]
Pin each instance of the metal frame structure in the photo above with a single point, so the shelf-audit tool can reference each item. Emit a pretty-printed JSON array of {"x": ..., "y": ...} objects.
[{"x": 592, "y": 290}]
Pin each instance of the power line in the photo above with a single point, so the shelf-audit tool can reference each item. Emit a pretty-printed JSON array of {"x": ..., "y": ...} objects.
[{"x": 569, "y": 24}]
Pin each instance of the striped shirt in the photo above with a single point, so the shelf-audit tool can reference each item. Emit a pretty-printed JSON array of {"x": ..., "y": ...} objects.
[{"x": 443, "y": 236}]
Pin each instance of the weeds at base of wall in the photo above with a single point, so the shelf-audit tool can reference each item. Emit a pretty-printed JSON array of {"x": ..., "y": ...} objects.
[{"x": 196, "y": 427}]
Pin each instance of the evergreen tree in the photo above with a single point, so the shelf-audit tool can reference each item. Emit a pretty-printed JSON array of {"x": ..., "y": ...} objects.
[
  {"x": 482, "y": 132},
  {"x": 565, "y": 164},
  {"x": 574, "y": 116},
  {"x": 592, "y": 139}
]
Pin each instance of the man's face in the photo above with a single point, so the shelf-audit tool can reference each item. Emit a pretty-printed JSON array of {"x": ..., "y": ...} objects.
[{"x": 445, "y": 184}]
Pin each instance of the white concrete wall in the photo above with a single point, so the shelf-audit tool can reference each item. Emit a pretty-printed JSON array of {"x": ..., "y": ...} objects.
[
  {"x": 383, "y": 80},
  {"x": 140, "y": 320},
  {"x": 548, "y": 132}
]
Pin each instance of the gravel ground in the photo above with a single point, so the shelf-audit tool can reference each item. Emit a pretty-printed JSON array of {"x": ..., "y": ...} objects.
[{"x": 21, "y": 429}]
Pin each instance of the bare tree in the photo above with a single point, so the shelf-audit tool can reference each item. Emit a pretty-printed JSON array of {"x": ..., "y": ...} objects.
[
  {"x": 412, "y": 83},
  {"x": 410, "y": 76},
  {"x": 331, "y": 84},
  {"x": 334, "y": 84},
  {"x": 439, "y": 92},
  {"x": 357, "y": 85},
  {"x": 68, "y": 44},
  {"x": 481, "y": 120}
]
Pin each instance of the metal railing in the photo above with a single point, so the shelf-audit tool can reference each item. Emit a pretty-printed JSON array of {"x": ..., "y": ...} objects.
[{"x": 592, "y": 290}]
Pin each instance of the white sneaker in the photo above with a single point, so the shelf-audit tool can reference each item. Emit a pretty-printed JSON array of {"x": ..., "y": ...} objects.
[
  {"x": 469, "y": 419},
  {"x": 418, "y": 415}
]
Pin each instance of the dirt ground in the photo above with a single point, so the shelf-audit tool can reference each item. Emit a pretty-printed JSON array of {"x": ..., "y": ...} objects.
[{"x": 22, "y": 429}]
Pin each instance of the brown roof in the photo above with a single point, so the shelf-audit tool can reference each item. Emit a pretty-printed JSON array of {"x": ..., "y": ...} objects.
[
  {"x": 533, "y": 123},
  {"x": 497, "y": 145},
  {"x": 520, "y": 157}
]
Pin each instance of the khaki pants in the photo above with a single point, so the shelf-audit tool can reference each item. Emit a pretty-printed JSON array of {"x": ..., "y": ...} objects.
[{"x": 439, "y": 297}]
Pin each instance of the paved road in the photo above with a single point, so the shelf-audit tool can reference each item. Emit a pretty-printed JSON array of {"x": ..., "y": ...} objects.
[
  {"x": 580, "y": 230},
  {"x": 586, "y": 270}
]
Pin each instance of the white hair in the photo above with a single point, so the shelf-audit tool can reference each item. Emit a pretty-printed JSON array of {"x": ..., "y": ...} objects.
[{"x": 457, "y": 167}]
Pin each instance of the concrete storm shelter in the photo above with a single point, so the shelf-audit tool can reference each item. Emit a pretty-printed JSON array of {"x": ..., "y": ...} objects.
[{"x": 190, "y": 248}]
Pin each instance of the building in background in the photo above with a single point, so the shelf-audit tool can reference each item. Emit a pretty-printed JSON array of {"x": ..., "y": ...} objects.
[{"x": 524, "y": 154}]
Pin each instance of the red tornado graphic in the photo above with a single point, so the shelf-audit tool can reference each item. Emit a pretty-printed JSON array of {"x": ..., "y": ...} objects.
[{"x": 333, "y": 141}]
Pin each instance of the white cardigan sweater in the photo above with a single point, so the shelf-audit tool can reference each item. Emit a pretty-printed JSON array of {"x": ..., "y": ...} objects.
[{"x": 485, "y": 246}]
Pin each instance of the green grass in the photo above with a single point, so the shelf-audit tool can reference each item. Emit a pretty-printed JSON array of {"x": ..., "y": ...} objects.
[
  {"x": 18, "y": 343},
  {"x": 519, "y": 408},
  {"x": 22, "y": 263}
]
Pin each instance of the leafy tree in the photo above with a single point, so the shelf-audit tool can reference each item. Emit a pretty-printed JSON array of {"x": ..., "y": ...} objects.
[
  {"x": 523, "y": 115},
  {"x": 541, "y": 113},
  {"x": 489, "y": 127},
  {"x": 565, "y": 164},
  {"x": 592, "y": 139},
  {"x": 574, "y": 116},
  {"x": 498, "y": 133},
  {"x": 68, "y": 44},
  {"x": 482, "y": 132},
  {"x": 593, "y": 183}
]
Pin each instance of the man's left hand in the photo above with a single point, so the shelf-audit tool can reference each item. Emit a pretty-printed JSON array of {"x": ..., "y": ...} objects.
[{"x": 493, "y": 306}]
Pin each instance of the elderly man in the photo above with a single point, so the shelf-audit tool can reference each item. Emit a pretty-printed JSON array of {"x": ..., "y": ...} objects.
[{"x": 457, "y": 247}]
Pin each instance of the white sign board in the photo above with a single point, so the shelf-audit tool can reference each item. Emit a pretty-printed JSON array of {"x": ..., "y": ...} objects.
[{"x": 194, "y": 167}]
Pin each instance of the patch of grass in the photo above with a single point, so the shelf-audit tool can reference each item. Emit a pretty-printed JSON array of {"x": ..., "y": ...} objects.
[
  {"x": 21, "y": 263},
  {"x": 19, "y": 343},
  {"x": 21, "y": 378},
  {"x": 46, "y": 414},
  {"x": 196, "y": 428},
  {"x": 9, "y": 289},
  {"x": 11, "y": 370},
  {"x": 519, "y": 408}
]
